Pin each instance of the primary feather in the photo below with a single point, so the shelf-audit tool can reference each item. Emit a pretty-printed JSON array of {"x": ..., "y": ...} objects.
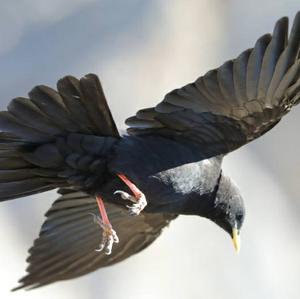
[{"x": 234, "y": 104}]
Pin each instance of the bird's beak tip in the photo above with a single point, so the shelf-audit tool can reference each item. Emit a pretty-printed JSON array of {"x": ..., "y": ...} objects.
[{"x": 236, "y": 240}]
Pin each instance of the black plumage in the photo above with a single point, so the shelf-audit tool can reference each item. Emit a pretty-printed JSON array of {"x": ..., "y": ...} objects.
[
  {"x": 67, "y": 139},
  {"x": 69, "y": 223}
]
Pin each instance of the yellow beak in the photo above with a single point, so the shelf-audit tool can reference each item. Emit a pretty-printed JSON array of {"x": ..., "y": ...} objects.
[{"x": 236, "y": 240}]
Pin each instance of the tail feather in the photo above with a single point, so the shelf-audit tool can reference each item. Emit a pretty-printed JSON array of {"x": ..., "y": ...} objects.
[
  {"x": 10, "y": 163},
  {"x": 29, "y": 186},
  {"x": 10, "y": 124},
  {"x": 69, "y": 89},
  {"x": 31, "y": 116},
  {"x": 9, "y": 175},
  {"x": 92, "y": 91},
  {"x": 51, "y": 104},
  {"x": 86, "y": 101},
  {"x": 38, "y": 134}
]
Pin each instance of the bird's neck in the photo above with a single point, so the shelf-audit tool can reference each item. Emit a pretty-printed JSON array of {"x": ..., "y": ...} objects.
[{"x": 202, "y": 205}]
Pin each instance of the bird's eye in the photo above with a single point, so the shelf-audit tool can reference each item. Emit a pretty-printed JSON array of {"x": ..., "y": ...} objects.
[{"x": 239, "y": 217}]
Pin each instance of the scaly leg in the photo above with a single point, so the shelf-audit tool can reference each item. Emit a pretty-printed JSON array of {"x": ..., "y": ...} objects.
[
  {"x": 138, "y": 198},
  {"x": 109, "y": 236}
]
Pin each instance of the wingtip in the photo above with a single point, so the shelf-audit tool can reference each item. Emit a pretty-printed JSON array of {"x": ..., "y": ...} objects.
[
  {"x": 26, "y": 287},
  {"x": 281, "y": 23},
  {"x": 19, "y": 287},
  {"x": 296, "y": 22},
  {"x": 284, "y": 21},
  {"x": 90, "y": 76}
]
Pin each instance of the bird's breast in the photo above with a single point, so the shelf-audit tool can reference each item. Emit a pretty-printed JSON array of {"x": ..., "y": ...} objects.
[{"x": 167, "y": 172}]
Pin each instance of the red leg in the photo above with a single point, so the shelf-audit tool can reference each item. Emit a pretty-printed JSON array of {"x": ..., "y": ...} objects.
[
  {"x": 102, "y": 210},
  {"x": 134, "y": 189},
  {"x": 109, "y": 236}
]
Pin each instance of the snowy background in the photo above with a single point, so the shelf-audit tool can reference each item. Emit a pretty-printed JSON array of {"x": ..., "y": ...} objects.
[{"x": 141, "y": 50}]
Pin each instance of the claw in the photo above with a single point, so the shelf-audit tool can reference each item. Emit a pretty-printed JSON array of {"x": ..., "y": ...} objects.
[
  {"x": 139, "y": 203},
  {"x": 101, "y": 246},
  {"x": 109, "y": 236},
  {"x": 138, "y": 197},
  {"x": 125, "y": 195},
  {"x": 96, "y": 218}
]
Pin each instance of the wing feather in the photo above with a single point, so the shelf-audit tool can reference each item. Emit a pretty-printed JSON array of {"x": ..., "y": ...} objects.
[
  {"x": 236, "y": 103},
  {"x": 66, "y": 245}
]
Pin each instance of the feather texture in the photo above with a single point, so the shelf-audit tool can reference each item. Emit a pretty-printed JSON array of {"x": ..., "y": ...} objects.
[
  {"x": 66, "y": 246},
  {"x": 234, "y": 104},
  {"x": 43, "y": 143}
]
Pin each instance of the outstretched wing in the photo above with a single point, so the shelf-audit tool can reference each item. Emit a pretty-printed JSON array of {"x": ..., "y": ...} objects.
[
  {"x": 66, "y": 245},
  {"x": 234, "y": 104}
]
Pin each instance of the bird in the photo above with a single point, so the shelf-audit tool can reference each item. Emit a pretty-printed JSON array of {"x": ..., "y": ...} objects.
[{"x": 118, "y": 192}]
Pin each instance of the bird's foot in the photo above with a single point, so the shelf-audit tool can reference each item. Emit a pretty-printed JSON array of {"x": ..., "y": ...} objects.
[
  {"x": 139, "y": 203},
  {"x": 138, "y": 198},
  {"x": 109, "y": 236}
]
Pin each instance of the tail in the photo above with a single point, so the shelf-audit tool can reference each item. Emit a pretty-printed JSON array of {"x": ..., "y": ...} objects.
[{"x": 54, "y": 138}]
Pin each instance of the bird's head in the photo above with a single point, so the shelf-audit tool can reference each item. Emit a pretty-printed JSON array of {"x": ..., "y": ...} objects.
[{"x": 229, "y": 210}]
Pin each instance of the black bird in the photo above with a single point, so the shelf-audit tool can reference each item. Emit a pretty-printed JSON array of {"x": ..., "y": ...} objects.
[{"x": 169, "y": 164}]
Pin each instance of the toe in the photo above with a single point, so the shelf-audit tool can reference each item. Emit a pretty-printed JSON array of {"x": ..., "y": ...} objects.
[
  {"x": 115, "y": 237},
  {"x": 97, "y": 219},
  {"x": 109, "y": 244},
  {"x": 125, "y": 195},
  {"x": 101, "y": 247}
]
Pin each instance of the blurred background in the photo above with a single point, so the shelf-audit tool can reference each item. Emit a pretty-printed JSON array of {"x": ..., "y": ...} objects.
[{"x": 141, "y": 50}]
